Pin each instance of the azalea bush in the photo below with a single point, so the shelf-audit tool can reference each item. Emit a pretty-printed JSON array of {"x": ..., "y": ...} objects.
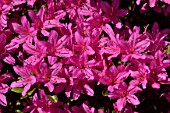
[{"x": 84, "y": 56}]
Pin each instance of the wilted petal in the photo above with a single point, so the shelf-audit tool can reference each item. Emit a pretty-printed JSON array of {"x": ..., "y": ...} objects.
[
  {"x": 2, "y": 40},
  {"x": 105, "y": 6}
]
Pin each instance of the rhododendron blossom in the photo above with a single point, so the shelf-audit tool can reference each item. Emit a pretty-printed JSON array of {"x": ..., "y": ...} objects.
[{"x": 84, "y": 56}]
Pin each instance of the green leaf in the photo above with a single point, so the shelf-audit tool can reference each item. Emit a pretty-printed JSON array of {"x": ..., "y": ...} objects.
[
  {"x": 24, "y": 97},
  {"x": 53, "y": 98},
  {"x": 17, "y": 90},
  {"x": 31, "y": 73},
  {"x": 18, "y": 103},
  {"x": 105, "y": 92},
  {"x": 32, "y": 91},
  {"x": 168, "y": 50},
  {"x": 113, "y": 111},
  {"x": 18, "y": 111},
  {"x": 35, "y": 9}
]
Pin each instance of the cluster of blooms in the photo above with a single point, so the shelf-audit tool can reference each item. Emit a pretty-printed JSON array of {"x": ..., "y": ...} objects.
[{"x": 72, "y": 46}]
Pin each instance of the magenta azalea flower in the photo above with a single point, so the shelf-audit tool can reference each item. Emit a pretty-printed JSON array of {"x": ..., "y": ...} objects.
[
  {"x": 83, "y": 44},
  {"x": 114, "y": 76},
  {"x": 112, "y": 12},
  {"x": 49, "y": 77},
  {"x": 55, "y": 45},
  {"x": 26, "y": 80},
  {"x": 136, "y": 45},
  {"x": 42, "y": 104},
  {"x": 27, "y": 33},
  {"x": 125, "y": 94}
]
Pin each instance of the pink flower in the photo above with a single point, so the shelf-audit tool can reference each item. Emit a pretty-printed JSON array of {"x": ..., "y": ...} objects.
[
  {"x": 96, "y": 20},
  {"x": 42, "y": 104},
  {"x": 27, "y": 33},
  {"x": 112, "y": 49},
  {"x": 83, "y": 44},
  {"x": 114, "y": 76},
  {"x": 140, "y": 72},
  {"x": 83, "y": 66},
  {"x": 112, "y": 12},
  {"x": 158, "y": 72},
  {"x": 26, "y": 81},
  {"x": 125, "y": 94},
  {"x": 80, "y": 86},
  {"x": 157, "y": 41},
  {"x": 136, "y": 45},
  {"x": 38, "y": 20},
  {"x": 55, "y": 45},
  {"x": 76, "y": 85},
  {"x": 67, "y": 86},
  {"x": 50, "y": 76}
]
